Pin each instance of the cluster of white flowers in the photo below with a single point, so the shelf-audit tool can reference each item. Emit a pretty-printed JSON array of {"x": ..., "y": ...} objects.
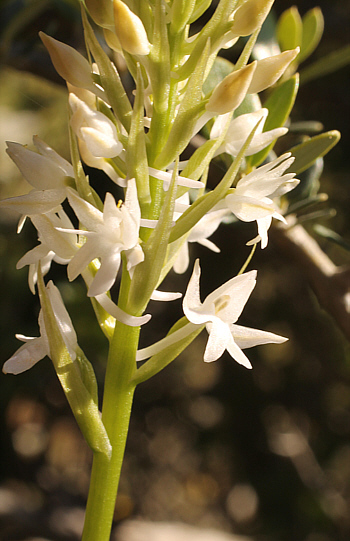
[{"x": 140, "y": 153}]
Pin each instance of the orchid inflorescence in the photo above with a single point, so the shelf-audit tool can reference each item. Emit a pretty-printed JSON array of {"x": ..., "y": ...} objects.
[{"x": 139, "y": 143}]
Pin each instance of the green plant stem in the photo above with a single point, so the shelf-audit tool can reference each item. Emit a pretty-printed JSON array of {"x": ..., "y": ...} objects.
[{"x": 117, "y": 403}]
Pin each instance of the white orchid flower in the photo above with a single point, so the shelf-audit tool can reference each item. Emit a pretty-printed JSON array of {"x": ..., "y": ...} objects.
[
  {"x": 199, "y": 233},
  {"x": 239, "y": 130},
  {"x": 46, "y": 171},
  {"x": 97, "y": 137},
  {"x": 253, "y": 197},
  {"x": 108, "y": 233},
  {"x": 220, "y": 311},
  {"x": 35, "y": 349},
  {"x": 54, "y": 245}
]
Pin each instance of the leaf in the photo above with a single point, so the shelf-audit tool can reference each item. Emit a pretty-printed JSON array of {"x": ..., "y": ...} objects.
[
  {"x": 326, "y": 65},
  {"x": 279, "y": 105},
  {"x": 289, "y": 29},
  {"x": 307, "y": 153},
  {"x": 76, "y": 377},
  {"x": 313, "y": 25}
]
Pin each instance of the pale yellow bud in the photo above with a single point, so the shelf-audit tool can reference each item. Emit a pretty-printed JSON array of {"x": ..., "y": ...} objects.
[
  {"x": 101, "y": 12},
  {"x": 230, "y": 93},
  {"x": 130, "y": 30},
  {"x": 270, "y": 69},
  {"x": 112, "y": 40},
  {"x": 250, "y": 16},
  {"x": 69, "y": 64}
]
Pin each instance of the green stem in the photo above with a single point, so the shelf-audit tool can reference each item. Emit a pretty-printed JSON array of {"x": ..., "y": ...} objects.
[{"x": 117, "y": 403}]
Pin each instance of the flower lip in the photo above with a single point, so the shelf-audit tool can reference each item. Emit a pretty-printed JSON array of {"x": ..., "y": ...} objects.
[{"x": 220, "y": 311}]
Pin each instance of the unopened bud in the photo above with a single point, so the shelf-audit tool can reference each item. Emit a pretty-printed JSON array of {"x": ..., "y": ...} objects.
[
  {"x": 101, "y": 12},
  {"x": 250, "y": 16},
  {"x": 69, "y": 64},
  {"x": 130, "y": 30},
  {"x": 270, "y": 69},
  {"x": 230, "y": 93},
  {"x": 112, "y": 40}
]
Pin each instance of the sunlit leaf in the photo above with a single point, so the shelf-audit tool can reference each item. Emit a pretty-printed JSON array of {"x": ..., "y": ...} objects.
[{"x": 307, "y": 153}]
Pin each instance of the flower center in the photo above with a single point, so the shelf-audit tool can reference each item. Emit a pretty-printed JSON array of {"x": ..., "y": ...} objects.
[{"x": 221, "y": 303}]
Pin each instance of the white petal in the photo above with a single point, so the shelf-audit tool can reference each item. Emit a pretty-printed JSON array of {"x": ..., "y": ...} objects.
[
  {"x": 106, "y": 275},
  {"x": 238, "y": 355},
  {"x": 165, "y": 296},
  {"x": 26, "y": 356},
  {"x": 182, "y": 181},
  {"x": 100, "y": 144},
  {"x": 192, "y": 305},
  {"x": 219, "y": 338},
  {"x": 87, "y": 253},
  {"x": 249, "y": 209},
  {"x": 119, "y": 314},
  {"x": 63, "y": 320},
  {"x": 40, "y": 171},
  {"x": 35, "y": 202},
  {"x": 169, "y": 340},
  {"x": 134, "y": 256},
  {"x": 47, "y": 151},
  {"x": 238, "y": 291},
  {"x": 89, "y": 215},
  {"x": 245, "y": 337}
]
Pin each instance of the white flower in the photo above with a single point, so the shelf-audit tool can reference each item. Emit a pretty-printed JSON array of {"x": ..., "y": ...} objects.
[
  {"x": 199, "y": 233},
  {"x": 94, "y": 128},
  {"x": 253, "y": 197},
  {"x": 46, "y": 171},
  {"x": 54, "y": 245},
  {"x": 97, "y": 137},
  {"x": 37, "y": 348},
  {"x": 108, "y": 233},
  {"x": 220, "y": 311},
  {"x": 239, "y": 130}
]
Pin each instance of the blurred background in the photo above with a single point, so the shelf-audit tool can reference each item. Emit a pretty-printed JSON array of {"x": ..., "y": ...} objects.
[{"x": 262, "y": 453}]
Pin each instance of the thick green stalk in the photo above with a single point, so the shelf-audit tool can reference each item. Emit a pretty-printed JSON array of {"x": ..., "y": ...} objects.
[{"x": 117, "y": 402}]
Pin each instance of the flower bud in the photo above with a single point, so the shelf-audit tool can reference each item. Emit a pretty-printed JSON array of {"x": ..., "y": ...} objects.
[
  {"x": 270, "y": 69},
  {"x": 230, "y": 93},
  {"x": 250, "y": 16},
  {"x": 101, "y": 12},
  {"x": 94, "y": 128},
  {"x": 69, "y": 64},
  {"x": 130, "y": 30}
]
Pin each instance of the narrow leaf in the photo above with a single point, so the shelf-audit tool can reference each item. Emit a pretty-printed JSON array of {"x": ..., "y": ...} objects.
[
  {"x": 289, "y": 29},
  {"x": 307, "y": 153},
  {"x": 313, "y": 25}
]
